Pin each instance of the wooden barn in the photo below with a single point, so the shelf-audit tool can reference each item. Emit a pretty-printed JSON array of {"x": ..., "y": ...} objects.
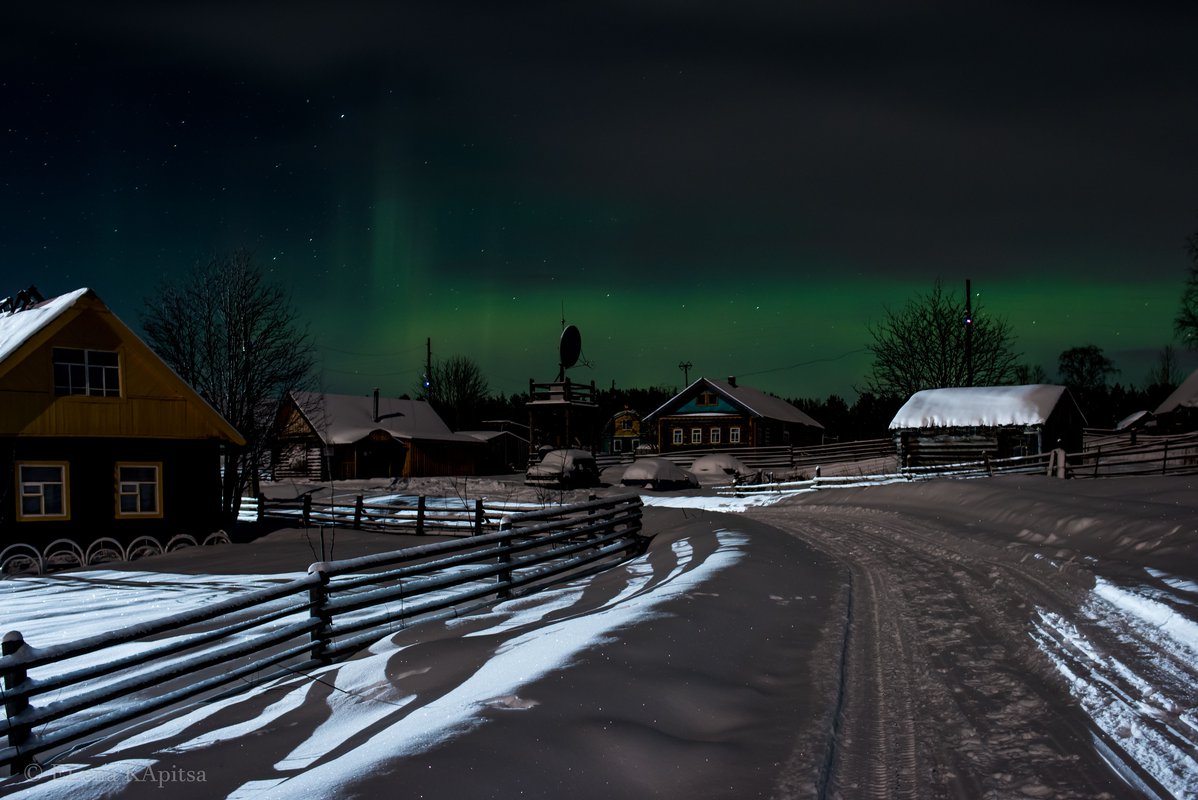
[
  {"x": 946, "y": 426},
  {"x": 1179, "y": 411},
  {"x": 347, "y": 437},
  {"x": 102, "y": 437},
  {"x": 712, "y": 414}
]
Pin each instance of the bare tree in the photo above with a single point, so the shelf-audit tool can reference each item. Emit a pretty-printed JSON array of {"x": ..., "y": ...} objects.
[
  {"x": 232, "y": 334},
  {"x": 922, "y": 346},
  {"x": 456, "y": 389},
  {"x": 1167, "y": 372},
  {"x": 1085, "y": 369},
  {"x": 1185, "y": 324}
]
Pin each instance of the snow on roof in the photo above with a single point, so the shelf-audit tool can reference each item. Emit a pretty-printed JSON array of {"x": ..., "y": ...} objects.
[
  {"x": 978, "y": 406},
  {"x": 1184, "y": 396},
  {"x": 18, "y": 327},
  {"x": 346, "y": 418},
  {"x": 753, "y": 400}
]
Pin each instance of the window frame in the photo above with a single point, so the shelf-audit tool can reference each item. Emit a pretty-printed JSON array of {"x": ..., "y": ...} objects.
[
  {"x": 696, "y": 436},
  {"x": 65, "y": 483},
  {"x": 119, "y": 484},
  {"x": 679, "y": 436},
  {"x": 86, "y": 388},
  {"x": 734, "y": 435},
  {"x": 714, "y": 436}
]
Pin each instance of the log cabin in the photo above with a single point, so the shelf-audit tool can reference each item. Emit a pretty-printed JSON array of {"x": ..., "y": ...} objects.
[{"x": 713, "y": 414}]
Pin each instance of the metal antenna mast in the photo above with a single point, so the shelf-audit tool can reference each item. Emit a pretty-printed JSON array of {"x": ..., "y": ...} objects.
[{"x": 685, "y": 366}]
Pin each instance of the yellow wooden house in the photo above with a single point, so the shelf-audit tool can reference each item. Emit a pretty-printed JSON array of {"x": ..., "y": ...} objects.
[{"x": 101, "y": 437}]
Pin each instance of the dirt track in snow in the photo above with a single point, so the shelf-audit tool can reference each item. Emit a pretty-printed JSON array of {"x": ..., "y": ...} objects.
[{"x": 945, "y": 691}]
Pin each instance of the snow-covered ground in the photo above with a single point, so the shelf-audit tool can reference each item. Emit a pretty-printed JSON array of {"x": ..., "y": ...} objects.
[{"x": 326, "y": 733}]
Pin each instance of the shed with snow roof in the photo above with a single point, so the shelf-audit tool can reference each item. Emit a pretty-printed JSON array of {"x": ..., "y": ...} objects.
[
  {"x": 1179, "y": 411},
  {"x": 967, "y": 423},
  {"x": 346, "y": 437},
  {"x": 103, "y": 437},
  {"x": 713, "y": 414}
]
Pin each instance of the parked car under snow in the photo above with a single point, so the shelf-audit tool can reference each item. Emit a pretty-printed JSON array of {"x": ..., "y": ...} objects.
[
  {"x": 720, "y": 467},
  {"x": 658, "y": 474},
  {"x": 568, "y": 468}
]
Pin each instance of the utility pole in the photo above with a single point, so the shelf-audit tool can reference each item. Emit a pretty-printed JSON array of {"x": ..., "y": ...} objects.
[
  {"x": 968, "y": 335},
  {"x": 685, "y": 366},
  {"x": 428, "y": 368}
]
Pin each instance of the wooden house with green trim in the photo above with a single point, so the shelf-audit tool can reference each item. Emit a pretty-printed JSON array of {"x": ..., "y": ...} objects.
[
  {"x": 720, "y": 415},
  {"x": 100, "y": 436}
]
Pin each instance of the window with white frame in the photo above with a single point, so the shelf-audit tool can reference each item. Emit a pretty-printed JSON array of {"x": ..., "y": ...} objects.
[
  {"x": 734, "y": 436},
  {"x": 42, "y": 491},
  {"x": 96, "y": 373},
  {"x": 678, "y": 436},
  {"x": 696, "y": 436},
  {"x": 715, "y": 435},
  {"x": 139, "y": 490}
]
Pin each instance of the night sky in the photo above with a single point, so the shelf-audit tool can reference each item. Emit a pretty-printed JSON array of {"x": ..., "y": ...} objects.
[{"x": 744, "y": 186}]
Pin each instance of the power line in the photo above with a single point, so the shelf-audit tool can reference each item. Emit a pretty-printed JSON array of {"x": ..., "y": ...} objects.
[
  {"x": 805, "y": 363},
  {"x": 371, "y": 355}
]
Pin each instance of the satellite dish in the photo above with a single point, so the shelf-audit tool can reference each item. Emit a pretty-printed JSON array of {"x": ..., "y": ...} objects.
[{"x": 569, "y": 348}]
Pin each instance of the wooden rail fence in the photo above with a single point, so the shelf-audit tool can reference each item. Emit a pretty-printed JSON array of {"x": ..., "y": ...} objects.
[
  {"x": 336, "y": 609},
  {"x": 425, "y": 516}
]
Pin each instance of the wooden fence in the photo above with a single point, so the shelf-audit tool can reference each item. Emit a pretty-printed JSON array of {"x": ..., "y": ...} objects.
[
  {"x": 1177, "y": 455},
  {"x": 426, "y": 516},
  {"x": 336, "y": 609}
]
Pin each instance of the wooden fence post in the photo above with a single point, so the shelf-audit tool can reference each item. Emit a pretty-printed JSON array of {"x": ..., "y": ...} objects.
[
  {"x": 261, "y": 507},
  {"x": 319, "y": 596},
  {"x": 1062, "y": 467},
  {"x": 420, "y": 515},
  {"x": 1165, "y": 459},
  {"x": 358, "y": 501},
  {"x": 1097, "y": 458},
  {"x": 307, "y": 515},
  {"x": 17, "y": 735},
  {"x": 478, "y": 517},
  {"x": 505, "y": 557}
]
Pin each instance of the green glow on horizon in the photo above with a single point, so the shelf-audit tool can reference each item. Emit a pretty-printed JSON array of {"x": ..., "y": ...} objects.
[{"x": 636, "y": 336}]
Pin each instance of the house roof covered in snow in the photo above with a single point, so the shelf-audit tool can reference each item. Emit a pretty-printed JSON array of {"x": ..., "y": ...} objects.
[
  {"x": 23, "y": 331},
  {"x": 754, "y": 401},
  {"x": 979, "y": 406},
  {"x": 1184, "y": 396},
  {"x": 347, "y": 418},
  {"x": 19, "y": 327}
]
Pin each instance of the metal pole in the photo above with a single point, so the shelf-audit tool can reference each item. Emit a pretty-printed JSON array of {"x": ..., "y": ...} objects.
[{"x": 968, "y": 335}]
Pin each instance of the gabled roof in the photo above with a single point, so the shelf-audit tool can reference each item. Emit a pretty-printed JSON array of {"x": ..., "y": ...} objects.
[
  {"x": 348, "y": 418},
  {"x": 22, "y": 332},
  {"x": 1184, "y": 396},
  {"x": 754, "y": 401},
  {"x": 980, "y": 406},
  {"x": 20, "y": 327}
]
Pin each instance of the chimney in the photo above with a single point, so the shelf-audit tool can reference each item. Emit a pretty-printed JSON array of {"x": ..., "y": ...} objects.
[
  {"x": 732, "y": 381},
  {"x": 376, "y": 405}
]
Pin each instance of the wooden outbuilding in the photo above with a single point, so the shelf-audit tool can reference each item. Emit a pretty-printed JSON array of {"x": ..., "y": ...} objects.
[
  {"x": 960, "y": 424},
  {"x": 713, "y": 414},
  {"x": 347, "y": 437},
  {"x": 1179, "y": 411},
  {"x": 622, "y": 434},
  {"x": 102, "y": 437}
]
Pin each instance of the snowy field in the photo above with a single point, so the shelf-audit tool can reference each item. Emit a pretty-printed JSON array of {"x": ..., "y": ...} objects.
[{"x": 693, "y": 670}]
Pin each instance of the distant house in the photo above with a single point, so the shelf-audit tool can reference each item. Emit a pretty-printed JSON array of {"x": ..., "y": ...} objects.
[
  {"x": 503, "y": 451},
  {"x": 102, "y": 437},
  {"x": 944, "y": 426},
  {"x": 345, "y": 437},
  {"x": 1179, "y": 412},
  {"x": 720, "y": 414},
  {"x": 622, "y": 434}
]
